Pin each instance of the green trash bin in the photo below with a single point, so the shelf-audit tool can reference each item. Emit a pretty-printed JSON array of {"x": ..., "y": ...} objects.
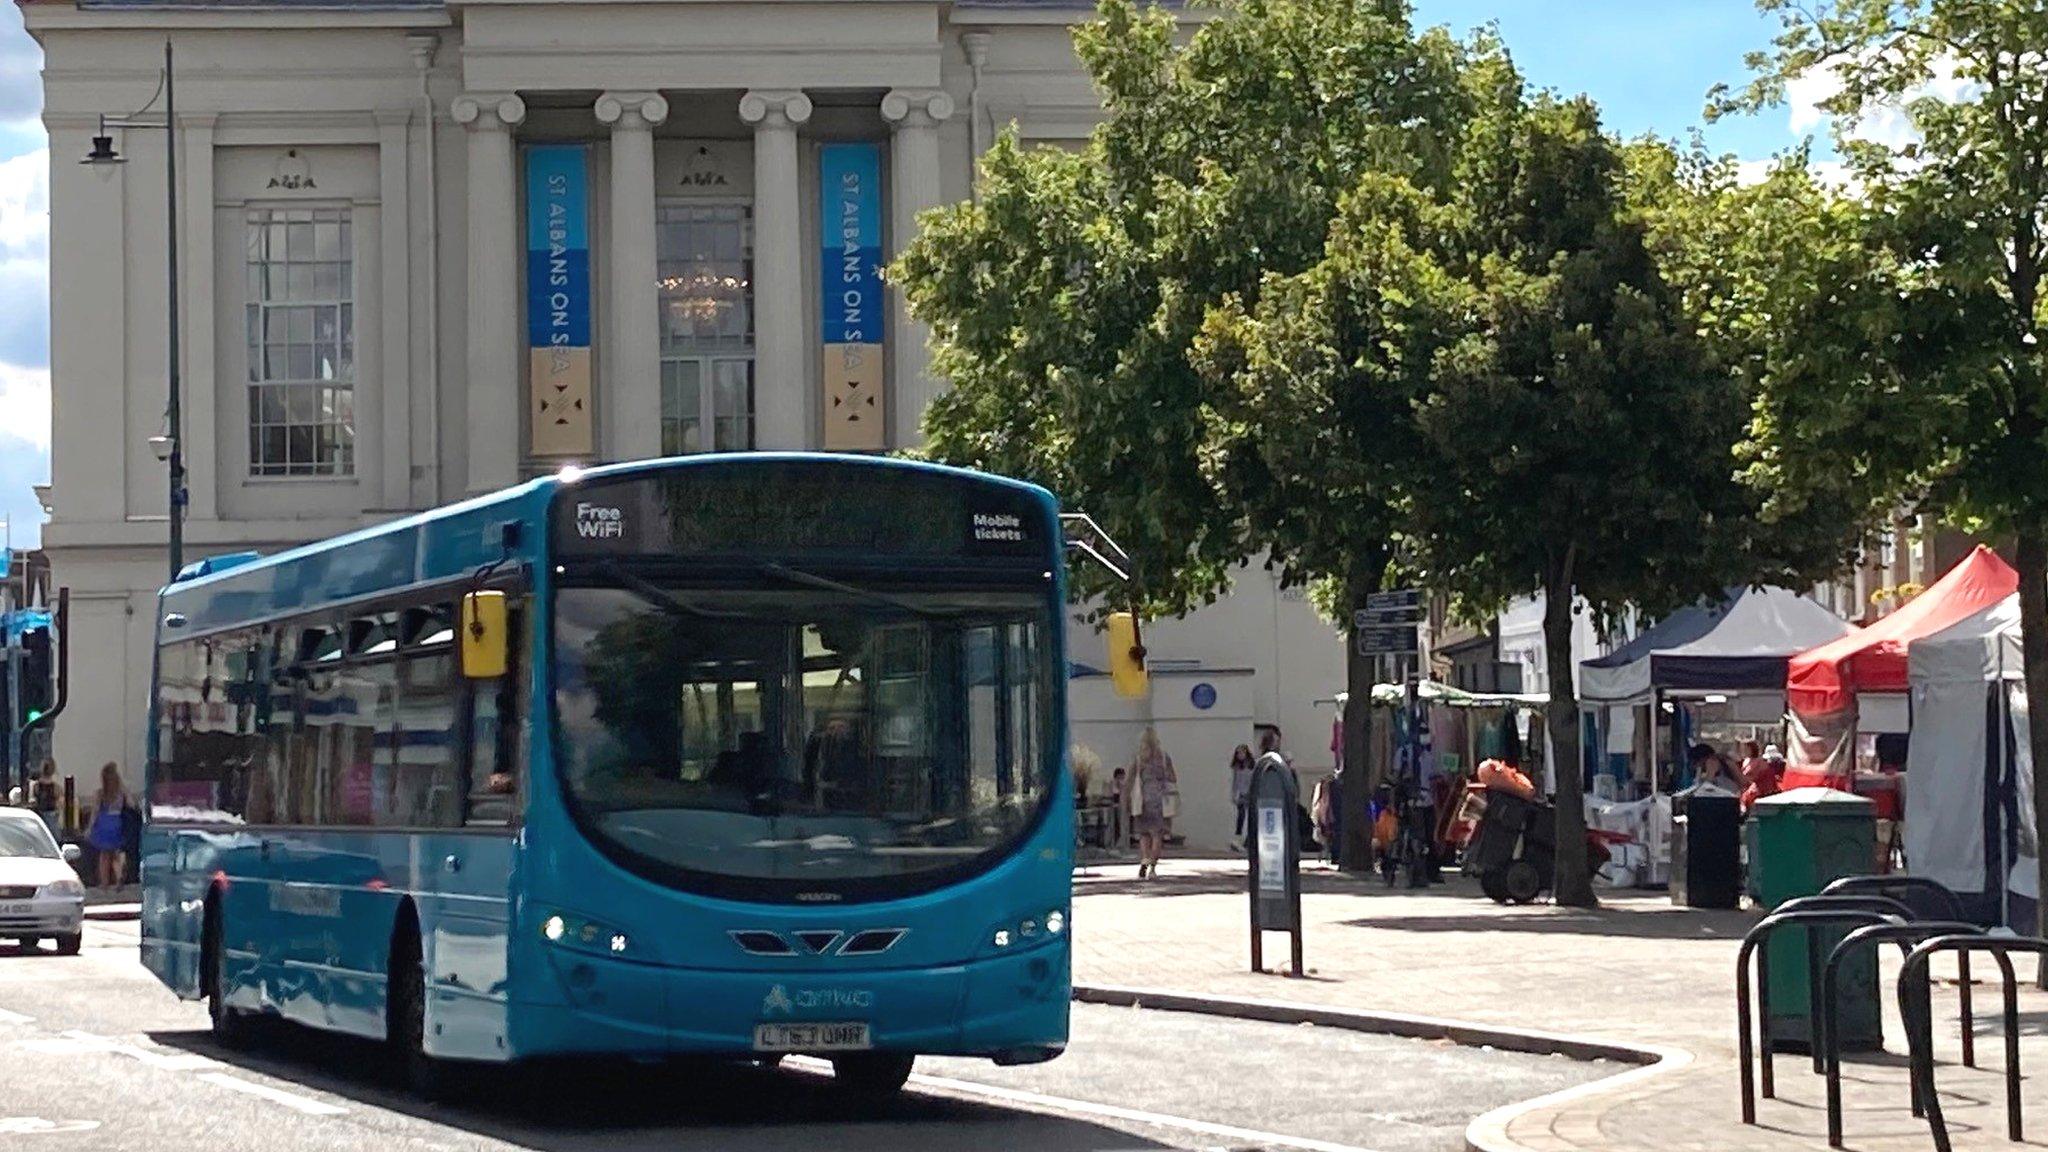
[{"x": 1799, "y": 842}]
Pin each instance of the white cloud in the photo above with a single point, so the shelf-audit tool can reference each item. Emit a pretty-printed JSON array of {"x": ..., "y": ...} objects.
[
  {"x": 25, "y": 206},
  {"x": 24, "y": 408},
  {"x": 1886, "y": 124},
  {"x": 1832, "y": 173},
  {"x": 25, "y": 259},
  {"x": 21, "y": 70}
]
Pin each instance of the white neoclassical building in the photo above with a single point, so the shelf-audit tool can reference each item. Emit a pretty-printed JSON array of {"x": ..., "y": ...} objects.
[{"x": 429, "y": 248}]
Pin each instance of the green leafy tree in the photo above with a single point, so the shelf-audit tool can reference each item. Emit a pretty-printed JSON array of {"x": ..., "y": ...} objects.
[
  {"x": 1562, "y": 427},
  {"x": 1065, "y": 298},
  {"x": 1934, "y": 388}
]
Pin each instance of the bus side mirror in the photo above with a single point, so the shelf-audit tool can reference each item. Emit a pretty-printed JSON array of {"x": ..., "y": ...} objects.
[
  {"x": 484, "y": 639},
  {"x": 1127, "y": 657}
]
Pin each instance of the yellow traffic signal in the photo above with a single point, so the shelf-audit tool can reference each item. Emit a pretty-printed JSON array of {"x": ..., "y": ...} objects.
[{"x": 1127, "y": 657}]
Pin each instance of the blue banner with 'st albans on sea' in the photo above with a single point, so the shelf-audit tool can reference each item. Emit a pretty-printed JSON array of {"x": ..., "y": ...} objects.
[
  {"x": 850, "y": 207},
  {"x": 558, "y": 298}
]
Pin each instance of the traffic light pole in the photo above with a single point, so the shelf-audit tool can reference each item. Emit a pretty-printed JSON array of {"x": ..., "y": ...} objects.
[{"x": 13, "y": 640}]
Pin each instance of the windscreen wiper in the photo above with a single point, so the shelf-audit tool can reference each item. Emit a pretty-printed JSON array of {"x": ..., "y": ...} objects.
[
  {"x": 661, "y": 597},
  {"x": 813, "y": 580}
]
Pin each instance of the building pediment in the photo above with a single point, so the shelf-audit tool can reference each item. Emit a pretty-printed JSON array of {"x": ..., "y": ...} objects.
[{"x": 652, "y": 45}]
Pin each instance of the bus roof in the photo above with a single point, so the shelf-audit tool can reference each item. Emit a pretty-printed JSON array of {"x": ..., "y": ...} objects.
[{"x": 439, "y": 544}]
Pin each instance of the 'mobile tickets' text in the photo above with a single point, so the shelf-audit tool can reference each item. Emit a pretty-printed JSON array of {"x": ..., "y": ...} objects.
[{"x": 998, "y": 528}]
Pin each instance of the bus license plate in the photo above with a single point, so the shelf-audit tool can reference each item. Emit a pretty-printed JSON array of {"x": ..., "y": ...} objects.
[{"x": 811, "y": 1038}]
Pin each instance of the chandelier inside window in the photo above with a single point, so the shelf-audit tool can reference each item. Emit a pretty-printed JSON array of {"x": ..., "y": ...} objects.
[{"x": 702, "y": 292}]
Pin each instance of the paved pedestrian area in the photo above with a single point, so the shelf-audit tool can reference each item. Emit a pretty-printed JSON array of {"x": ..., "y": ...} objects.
[{"x": 1636, "y": 971}]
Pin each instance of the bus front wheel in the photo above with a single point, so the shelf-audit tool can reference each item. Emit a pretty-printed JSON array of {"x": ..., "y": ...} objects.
[
  {"x": 406, "y": 1025},
  {"x": 872, "y": 1073}
]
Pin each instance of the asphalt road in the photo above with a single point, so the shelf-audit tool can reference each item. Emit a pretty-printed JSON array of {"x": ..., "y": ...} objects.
[{"x": 95, "y": 1055}]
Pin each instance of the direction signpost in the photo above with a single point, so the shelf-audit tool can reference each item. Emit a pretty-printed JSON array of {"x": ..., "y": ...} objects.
[{"x": 1388, "y": 628}]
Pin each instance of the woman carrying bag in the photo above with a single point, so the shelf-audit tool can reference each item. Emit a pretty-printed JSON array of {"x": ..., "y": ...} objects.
[{"x": 1154, "y": 797}]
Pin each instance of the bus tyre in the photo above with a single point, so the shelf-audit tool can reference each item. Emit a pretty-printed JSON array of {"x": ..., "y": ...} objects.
[
  {"x": 229, "y": 1027},
  {"x": 70, "y": 943},
  {"x": 872, "y": 1073},
  {"x": 406, "y": 1025}
]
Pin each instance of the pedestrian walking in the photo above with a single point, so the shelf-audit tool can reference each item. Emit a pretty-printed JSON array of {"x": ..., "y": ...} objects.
[
  {"x": 1154, "y": 800},
  {"x": 1323, "y": 809},
  {"x": 1241, "y": 788},
  {"x": 108, "y": 831},
  {"x": 1119, "y": 815},
  {"x": 48, "y": 799}
]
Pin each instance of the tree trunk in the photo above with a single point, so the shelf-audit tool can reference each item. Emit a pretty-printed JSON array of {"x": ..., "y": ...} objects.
[
  {"x": 1574, "y": 884},
  {"x": 1354, "y": 799},
  {"x": 2031, "y": 553}
]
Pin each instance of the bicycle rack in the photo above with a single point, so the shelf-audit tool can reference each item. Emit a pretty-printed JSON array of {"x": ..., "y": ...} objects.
[
  {"x": 1896, "y": 887},
  {"x": 1807, "y": 918},
  {"x": 1919, "y": 1020},
  {"x": 1951, "y": 909},
  {"x": 1904, "y": 935}
]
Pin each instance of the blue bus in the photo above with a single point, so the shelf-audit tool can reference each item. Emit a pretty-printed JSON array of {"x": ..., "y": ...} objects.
[{"x": 735, "y": 756}]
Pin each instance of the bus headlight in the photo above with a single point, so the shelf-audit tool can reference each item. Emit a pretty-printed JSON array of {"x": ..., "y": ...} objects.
[
  {"x": 568, "y": 930},
  {"x": 1030, "y": 928}
]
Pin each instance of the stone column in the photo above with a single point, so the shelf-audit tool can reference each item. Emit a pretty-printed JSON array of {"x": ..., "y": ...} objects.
[
  {"x": 915, "y": 114},
  {"x": 208, "y": 441},
  {"x": 781, "y": 408},
  {"x": 394, "y": 374},
  {"x": 492, "y": 363},
  {"x": 631, "y": 398}
]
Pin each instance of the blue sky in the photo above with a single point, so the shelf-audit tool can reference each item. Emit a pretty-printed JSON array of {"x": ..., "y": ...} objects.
[{"x": 1648, "y": 63}]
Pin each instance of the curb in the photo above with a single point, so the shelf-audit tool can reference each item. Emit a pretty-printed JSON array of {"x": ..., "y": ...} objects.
[
  {"x": 1487, "y": 1133},
  {"x": 113, "y": 912}
]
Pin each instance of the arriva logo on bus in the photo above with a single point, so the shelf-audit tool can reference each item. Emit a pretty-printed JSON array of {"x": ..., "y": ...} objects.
[
  {"x": 597, "y": 522},
  {"x": 782, "y": 1000}
]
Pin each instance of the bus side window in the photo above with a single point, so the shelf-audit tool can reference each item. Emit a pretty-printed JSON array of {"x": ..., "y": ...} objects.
[{"x": 494, "y": 751}]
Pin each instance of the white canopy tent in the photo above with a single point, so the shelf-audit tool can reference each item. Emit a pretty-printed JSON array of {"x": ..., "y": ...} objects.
[{"x": 1969, "y": 816}]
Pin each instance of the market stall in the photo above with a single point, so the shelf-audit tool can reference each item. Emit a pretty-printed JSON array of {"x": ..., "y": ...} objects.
[
  {"x": 1842, "y": 694},
  {"x": 1449, "y": 733},
  {"x": 1721, "y": 664},
  {"x": 1968, "y": 817}
]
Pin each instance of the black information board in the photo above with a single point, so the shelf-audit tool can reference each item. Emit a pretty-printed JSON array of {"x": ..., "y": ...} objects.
[{"x": 1273, "y": 850}]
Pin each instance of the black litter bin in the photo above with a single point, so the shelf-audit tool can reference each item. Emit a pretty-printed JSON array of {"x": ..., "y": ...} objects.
[{"x": 1706, "y": 855}]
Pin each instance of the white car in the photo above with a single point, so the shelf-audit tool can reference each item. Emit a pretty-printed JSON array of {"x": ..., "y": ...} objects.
[{"x": 40, "y": 895}]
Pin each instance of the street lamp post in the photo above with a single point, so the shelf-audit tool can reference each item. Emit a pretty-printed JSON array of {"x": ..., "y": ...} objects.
[{"x": 170, "y": 446}]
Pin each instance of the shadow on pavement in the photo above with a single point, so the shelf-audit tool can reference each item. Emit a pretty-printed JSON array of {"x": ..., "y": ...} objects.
[
  {"x": 1119, "y": 880},
  {"x": 1549, "y": 920},
  {"x": 620, "y": 1105}
]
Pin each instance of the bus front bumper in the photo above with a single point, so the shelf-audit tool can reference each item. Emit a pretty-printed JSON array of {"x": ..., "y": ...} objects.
[{"x": 1012, "y": 1008}]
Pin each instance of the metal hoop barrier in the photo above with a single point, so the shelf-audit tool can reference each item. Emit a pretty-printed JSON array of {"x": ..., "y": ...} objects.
[
  {"x": 1949, "y": 906},
  {"x": 1854, "y": 902},
  {"x": 1808, "y": 919},
  {"x": 1897, "y": 887},
  {"x": 1905, "y": 936},
  {"x": 1920, "y": 1029}
]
